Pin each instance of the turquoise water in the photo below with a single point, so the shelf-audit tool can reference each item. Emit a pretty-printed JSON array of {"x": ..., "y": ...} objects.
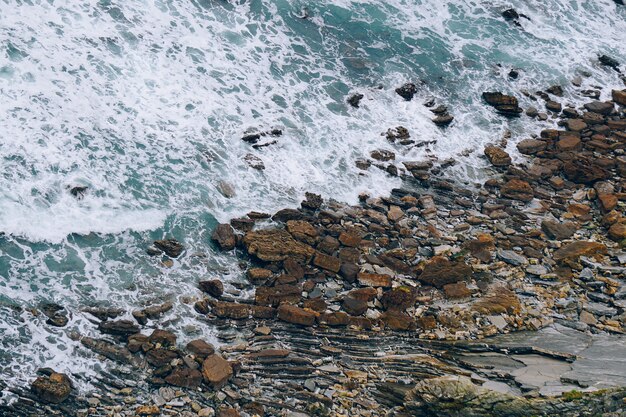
[{"x": 145, "y": 103}]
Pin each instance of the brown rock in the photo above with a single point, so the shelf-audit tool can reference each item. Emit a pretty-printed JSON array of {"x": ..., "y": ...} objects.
[
  {"x": 224, "y": 236},
  {"x": 354, "y": 306},
  {"x": 184, "y": 377},
  {"x": 506, "y": 105},
  {"x": 399, "y": 298},
  {"x": 334, "y": 319},
  {"x": 576, "y": 125},
  {"x": 273, "y": 296},
  {"x": 54, "y": 388},
  {"x": 439, "y": 271},
  {"x": 296, "y": 315},
  {"x": 302, "y": 231},
  {"x": 456, "y": 291},
  {"x": 568, "y": 143},
  {"x": 374, "y": 280},
  {"x": 517, "y": 190},
  {"x": 216, "y": 371},
  {"x": 578, "y": 210},
  {"x": 171, "y": 247},
  {"x": 160, "y": 357},
  {"x": 257, "y": 275},
  {"x": 617, "y": 232},
  {"x": 559, "y": 231},
  {"x": 200, "y": 348},
  {"x": 500, "y": 300},
  {"x": 316, "y": 304},
  {"x": 574, "y": 250},
  {"x": 481, "y": 247},
  {"x": 350, "y": 239},
  {"x": 148, "y": 410},
  {"x": 397, "y": 320},
  {"x": 608, "y": 202},
  {"x": 363, "y": 294},
  {"x": 229, "y": 310},
  {"x": 531, "y": 146},
  {"x": 584, "y": 171},
  {"x": 619, "y": 96},
  {"x": 228, "y": 412},
  {"x": 383, "y": 155},
  {"x": 163, "y": 337},
  {"x": 213, "y": 287},
  {"x": 118, "y": 327},
  {"x": 426, "y": 322},
  {"x": 329, "y": 263},
  {"x": 276, "y": 245},
  {"x": 497, "y": 156}
]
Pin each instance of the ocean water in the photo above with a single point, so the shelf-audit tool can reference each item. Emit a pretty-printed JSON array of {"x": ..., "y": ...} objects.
[{"x": 145, "y": 103}]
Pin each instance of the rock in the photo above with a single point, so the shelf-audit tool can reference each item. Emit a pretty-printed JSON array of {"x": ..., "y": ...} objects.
[
  {"x": 184, "y": 377},
  {"x": 558, "y": 231},
  {"x": 374, "y": 280},
  {"x": 383, "y": 155},
  {"x": 583, "y": 171},
  {"x": 481, "y": 247},
  {"x": 556, "y": 90},
  {"x": 213, "y": 287},
  {"x": 287, "y": 214},
  {"x": 226, "y": 189},
  {"x": 439, "y": 271},
  {"x": 273, "y": 245},
  {"x": 399, "y": 133},
  {"x": 296, "y": 315},
  {"x": 397, "y": 320},
  {"x": 512, "y": 258},
  {"x": 119, "y": 327},
  {"x": 568, "y": 143},
  {"x": 399, "y": 298},
  {"x": 224, "y": 236},
  {"x": 600, "y": 107},
  {"x": 497, "y": 156},
  {"x": 171, "y": 247},
  {"x": 617, "y": 232},
  {"x": 350, "y": 239},
  {"x": 148, "y": 410},
  {"x": 109, "y": 350},
  {"x": 228, "y": 412},
  {"x": 531, "y": 146},
  {"x": 162, "y": 337},
  {"x": 456, "y": 291},
  {"x": 443, "y": 119},
  {"x": 554, "y": 106},
  {"x": 506, "y": 105},
  {"x": 355, "y": 99},
  {"x": 259, "y": 275},
  {"x": 607, "y": 61},
  {"x": 517, "y": 190},
  {"x": 407, "y": 91},
  {"x": 216, "y": 371},
  {"x": 499, "y": 301},
  {"x": 329, "y": 263},
  {"x": 354, "y": 306},
  {"x": 576, "y": 125},
  {"x": 273, "y": 296},
  {"x": 200, "y": 348},
  {"x": 303, "y": 231},
  {"x": 79, "y": 191},
  {"x": 349, "y": 271},
  {"x": 152, "y": 312},
  {"x": 574, "y": 250},
  {"x": 53, "y": 388},
  {"x": 160, "y": 357},
  {"x": 254, "y": 162},
  {"x": 56, "y": 314},
  {"x": 312, "y": 201},
  {"x": 619, "y": 96},
  {"x": 510, "y": 14},
  {"x": 235, "y": 311}
]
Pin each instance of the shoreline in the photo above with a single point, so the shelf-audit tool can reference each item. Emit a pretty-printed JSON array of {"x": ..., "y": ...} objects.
[{"x": 540, "y": 244}]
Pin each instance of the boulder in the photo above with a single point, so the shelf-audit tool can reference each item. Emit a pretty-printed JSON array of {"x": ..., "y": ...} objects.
[
  {"x": 184, "y": 377},
  {"x": 354, "y": 306},
  {"x": 619, "y": 96},
  {"x": 574, "y": 250},
  {"x": 296, "y": 315},
  {"x": 228, "y": 310},
  {"x": 273, "y": 245},
  {"x": 329, "y": 263},
  {"x": 213, "y": 287},
  {"x": 517, "y": 189},
  {"x": 303, "y": 231},
  {"x": 160, "y": 357},
  {"x": 506, "y": 105},
  {"x": 224, "y": 236},
  {"x": 531, "y": 146},
  {"x": 163, "y": 337},
  {"x": 374, "y": 280},
  {"x": 617, "y": 231},
  {"x": 583, "y": 171},
  {"x": 439, "y": 271},
  {"x": 216, "y": 371},
  {"x": 558, "y": 231},
  {"x": 399, "y": 298},
  {"x": 171, "y": 247},
  {"x": 601, "y": 107},
  {"x": 407, "y": 91},
  {"x": 355, "y": 99},
  {"x": 53, "y": 388},
  {"x": 497, "y": 156},
  {"x": 118, "y": 327},
  {"x": 398, "y": 320},
  {"x": 200, "y": 348},
  {"x": 273, "y": 296}
]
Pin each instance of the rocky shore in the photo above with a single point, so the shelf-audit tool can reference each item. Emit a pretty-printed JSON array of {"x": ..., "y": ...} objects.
[{"x": 389, "y": 307}]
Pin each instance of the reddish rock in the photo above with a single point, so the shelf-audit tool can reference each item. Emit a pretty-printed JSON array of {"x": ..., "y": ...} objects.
[
  {"x": 584, "y": 171},
  {"x": 296, "y": 315},
  {"x": 517, "y": 190},
  {"x": 184, "y": 377},
  {"x": 497, "y": 156},
  {"x": 302, "y": 231},
  {"x": 54, "y": 388},
  {"x": 350, "y": 239},
  {"x": 273, "y": 296},
  {"x": 216, "y": 371},
  {"x": 399, "y": 298},
  {"x": 228, "y": 412},
  {"x": 329, "y": 263},
  {"x": 272, "y": 245},
  {"x": 608, "y": 202},
  {"x": 481, "y": 247},
  {"x": 200, "y": 348},
  {"x": 426, "y": 322},
  {"x": 162, "y": 337},
  {"x": 231, "y": 310},
  {"x": 574, "y": 250},
  {"x": 212, "y": 287},
  {"x": 617, "y": 231},
  {"x": 397, "y": 320},
  {"x": 224, "y": 236},
  {"x": 374, "y": 280},
  {"x": 383, "y": 155},
  {"x": 455, "y": 291},
  {"x": 439, "y": 271},
  {"x": 500, "y": 300}
]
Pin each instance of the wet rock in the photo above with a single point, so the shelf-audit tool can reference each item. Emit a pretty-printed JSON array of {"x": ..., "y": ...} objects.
[
  {"x": 383, "y": 155},
  {"x": 407, "y": 91},
  {"x": 296, "y": 315},
  {"x": 619, "y": 96},
  {"x": 53, "y": 388},
  {"x": 118, "y": 327},
  {"x": 162, "y": 337},
  {"x": 79, "y": 191},
  {"x": 607, "y": 61},
  {"x": 531, "y": 146},
  {"x": 499, "y": 301},
  {"x": 601, "y": 107},
  {"x": 355, "y": 99},
  {"x": 171, "y": 247},
  {"x": 302, "y": 231},
  {"x": 259, "y": 275},
  {"x": 160, "y": 357},
  {"x": 276, "y": 245},
  {"x": 184, "y": 377},
  {"x": 200, "y": 348},
  {"x": 439, "y": 271},
  {"x": 559, "y": 231},
  {"x": 312, "y": 201},
  {"x": 553, "y": 106},
  {"x": 213, "y": 287},
  {"x": 224, "y": 236},
  {"x": 57, "y": 316},
  {"x": 254, "y": 162},
  {"x": 443, "y": 119},
  {"x": 216, "y": 371},
  {"x": 108, "y": 349},
  {"x": 517, "y": 190},
  {"x": 152, "y": 312},
  {"x": 399, "y": 133},
  {"x": 505, "y": 105},
  {"x": 497, "y": 156}
]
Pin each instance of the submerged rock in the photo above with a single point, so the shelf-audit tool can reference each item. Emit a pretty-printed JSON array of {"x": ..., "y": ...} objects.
[
  {"x": 355, "y": 99},
  {"x": 224, "y": 236},
  {"x": 505, "y": 105},
  {"x": 171, "y": 247},
  {"x": 407, "y": 91}
]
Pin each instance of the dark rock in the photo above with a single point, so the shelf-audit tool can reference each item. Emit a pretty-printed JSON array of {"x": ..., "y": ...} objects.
[
  {"x": 272, "y": 245},
  {"x": 574, "y": 250},
  {"x": 531, "y": 146},
  {"x": 54, "y": 388},
  {"x": 254, "y": 162},
  {"x": 399, "y": 133},
  {"x": 439, "y": 271},
  {"x": 109, "y": 350},
  {"x": 517, "y": 190},
  {"x": 349, "y": 271},
  {"x": 312, "y": 201},
  {"x": 213, "y": 287},
  {"x": 443, "y": 119},
  {"x": 224, "y": 236},
  {"x": 200, "y": 348},
  {"x": 216, "y": 371},
  {"x": 556, "y": 90},
  {"x": 56, "y": 314},
  {"x": 607, "y": 61},
  {"x": 355, "y": 99},
  {"x": 497, "y": 156},
  {"x": 162, "y": 337},
  {"x": 273, "y": 296},
  {"x": 296, "y": 315},
  {"x": 399, "y": 298},
  {"x": 510, "y": 14},
  {"x": 329, "y": 263},
  {"x": 559, "y": 231},
  {"x": 285, "y": 215},
  {"x": 184, "y": 377},
  {"x": 397, "y": 320},
  {"x": 79, "y": 191},
  {"x": 160, "y": 357},
  {"x": 619, "y": 96},
  {"x": 407, "y": 91},
  {"x": 118, "y": 327},
  {"x": 383, "y": 155},
  {"x": 354, "y": 306},
  {"x": 506, "y": 105},
  {"x": 601, "y": 107},
  {"x": 171, "y": 247},
  {"x": 235, "y": 311}
]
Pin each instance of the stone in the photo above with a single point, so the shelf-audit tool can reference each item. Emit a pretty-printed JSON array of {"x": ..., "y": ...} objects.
[
  {"x": 216, "y": 371},
  {"x": 163, "y": 337},
  {"x": 531, "y": 146},
  {"x": 407, "y": 91},
  {"x": 582, "y": 171},
  {"x": 258, "y": 275},
  {"x": 512, "y": 258},
  {"x": 349, "y": 271},
  {"x": 254, "y": 162},
  {"x": 160, "y": 357},
  {"x": 517, "y": 190},
  {"x": 224, "y": 236},
  {"x": 184, "y": 377},
  {"x": 399, "y": 298},
  {"x": 443, "y": 119},
  {"x": 355, "y": 99},
  {"x": 148, "y": 410},
  {"x": 506, "y": 105},
  {"x": 383, "y": 155},
  {"x": 303, "y": 231},
  {"x": 439, "y": 271},
  {"x": 574, "y": 250},
  {"x": 171, "y": 247},
  {"x": 110, "y": 350},
  {"x": 228, "y": 412},
  {"x": 200, "y": 348},
  {"x": 118, "y": 327},
  {"x": 457, "y": 290},
  {"x": 374, "y": 280},
  {"x": 607, "y": 202},
  {"x": 497, "y": 156},
  {"x": 213, "y": 287},
  {"x": 354, "y": 306},
  {"x": 554, "y": 106},
  {"x": 350, "y": 239},
  {"x": 329, "y": 263},
  {"x": 600, "y": 107},
  {"x": 273, "y": 245},
  {"x": 235, "y": 311},
  {"x": 287, "y": 214},
  {"x": 617, "y": 231},
  {"x": 619, "y": 96},
  {"x": 397, "y": 320},
  {"x": 273, "y": 296},
  {"x": 568, "y": 143},
  {"x": 576, "y": 125},
  {"x": 558, "y": 231},
  {"x": 226, "y": 189},
  {"x": 296, "y": 315},
  {"x": 53, "y": 388},
  {"x": 500, "y": 300}
]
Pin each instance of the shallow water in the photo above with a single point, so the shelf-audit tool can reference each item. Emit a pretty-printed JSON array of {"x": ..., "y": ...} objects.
[{"x": 145, "y": 103}]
